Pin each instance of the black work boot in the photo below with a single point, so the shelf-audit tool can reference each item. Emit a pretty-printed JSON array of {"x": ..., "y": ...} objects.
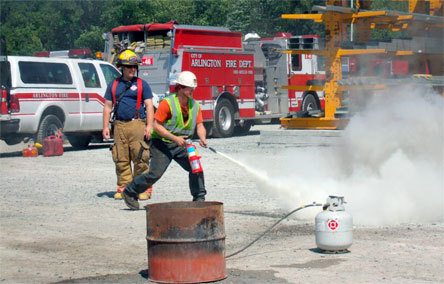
[
  {"x": 199, "y": 198},
  {"x": 130, "y": 200}
]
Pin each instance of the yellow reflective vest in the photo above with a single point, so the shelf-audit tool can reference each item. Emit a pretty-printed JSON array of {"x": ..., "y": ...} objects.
[{"x": 175, "y": 124}]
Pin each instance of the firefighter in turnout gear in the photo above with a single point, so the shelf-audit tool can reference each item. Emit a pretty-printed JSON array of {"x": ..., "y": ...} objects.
[
  {"x": 131, "y": 122},
  {"x": 176, "y": 119}
]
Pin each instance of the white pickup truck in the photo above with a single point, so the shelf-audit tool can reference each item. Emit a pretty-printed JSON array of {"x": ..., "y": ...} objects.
[{"x": 54, "y": 93}]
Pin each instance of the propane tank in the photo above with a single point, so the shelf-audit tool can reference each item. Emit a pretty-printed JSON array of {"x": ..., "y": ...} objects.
[
  {"x": 334, "y": 226},
  {"x": 193, "y": 157}
]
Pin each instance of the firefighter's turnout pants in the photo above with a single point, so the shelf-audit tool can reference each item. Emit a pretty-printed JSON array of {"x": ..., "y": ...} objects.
[
  {"x": 162, "y": 154},
  {"x": 129, "y": 146}
]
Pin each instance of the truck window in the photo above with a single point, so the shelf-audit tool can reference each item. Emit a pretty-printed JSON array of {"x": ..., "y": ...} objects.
[
  {"x": 44, "y": 73},
  {"x": 109, "y": 72},
  {"x": 89, "y": 75},
  {"x": 296, "y": 62},
  {"x": 136, "y": 36}
]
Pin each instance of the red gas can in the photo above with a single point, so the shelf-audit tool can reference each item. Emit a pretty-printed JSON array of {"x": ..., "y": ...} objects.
[
  {"x": 53, "y": 146},
  {"x": 30, "y": 151}
]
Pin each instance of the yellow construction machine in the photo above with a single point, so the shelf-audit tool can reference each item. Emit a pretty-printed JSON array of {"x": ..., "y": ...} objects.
[{"x": 348, "y": 27}]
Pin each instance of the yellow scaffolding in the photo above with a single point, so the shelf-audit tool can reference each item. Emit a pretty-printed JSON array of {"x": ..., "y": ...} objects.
[{"x": 337, "y": 20}]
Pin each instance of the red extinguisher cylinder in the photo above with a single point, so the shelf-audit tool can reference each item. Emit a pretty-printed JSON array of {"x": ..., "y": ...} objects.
[
  {"x": 196, "y": 166},
  {"x": 194, "y": 158}
]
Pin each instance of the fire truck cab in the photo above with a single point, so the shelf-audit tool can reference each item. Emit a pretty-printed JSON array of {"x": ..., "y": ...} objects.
[{"x": 275, "y": 69}]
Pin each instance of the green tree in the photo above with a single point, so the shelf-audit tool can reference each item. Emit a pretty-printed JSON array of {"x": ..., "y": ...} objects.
[
  {"x": 91, "y": 39},
  {"x": 29, "y": 25},
  {"x": 212, "y": 12},
  {"x": 18, "y": 27},
  {"x": 384, "y": 34},
  {"x": 264, "y": 17},
  {"x": 167, "y": 10}
]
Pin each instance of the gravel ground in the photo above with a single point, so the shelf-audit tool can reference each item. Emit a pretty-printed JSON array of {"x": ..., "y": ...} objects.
[{"x": 59, "y": 223}]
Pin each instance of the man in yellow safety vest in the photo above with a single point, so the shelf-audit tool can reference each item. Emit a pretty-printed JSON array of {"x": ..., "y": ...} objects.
[{"x": 175, "y": 120}]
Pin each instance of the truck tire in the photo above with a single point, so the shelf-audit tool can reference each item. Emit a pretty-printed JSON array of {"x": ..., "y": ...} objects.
[
  {"x": 49, "y": 125},
  {"x": 223, "y": 125},
  {"x": 243, "y": 127},
  {"x": 309, "y": 103},
  {"x": 209, "y": 128},
  {"x": 79, "y": 141}
]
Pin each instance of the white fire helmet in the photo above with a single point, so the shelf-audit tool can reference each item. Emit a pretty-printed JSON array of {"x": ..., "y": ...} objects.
[{"x": 187, "y": 79}]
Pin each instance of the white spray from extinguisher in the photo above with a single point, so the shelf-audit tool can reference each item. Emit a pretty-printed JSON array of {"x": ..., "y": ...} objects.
[
  {"x": 193, "y": 157},
  {"x": 262, "y": 176},
  {"x": 333, "y": 226}
]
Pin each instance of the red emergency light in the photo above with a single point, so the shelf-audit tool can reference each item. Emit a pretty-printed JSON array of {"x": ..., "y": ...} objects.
[
  {"x": 71, "y": 53},
  {"x": 283, "y": 35},
  {"x": 80, "y": 53},
  {"x": 42, "y": 54}
]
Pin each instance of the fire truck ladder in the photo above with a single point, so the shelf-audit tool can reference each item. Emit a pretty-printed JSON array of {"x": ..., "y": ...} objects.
[{"x": 338, "y": 21}]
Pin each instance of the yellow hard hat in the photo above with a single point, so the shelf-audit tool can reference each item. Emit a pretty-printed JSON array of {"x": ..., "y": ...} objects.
[{"x": 128, "y": 57}]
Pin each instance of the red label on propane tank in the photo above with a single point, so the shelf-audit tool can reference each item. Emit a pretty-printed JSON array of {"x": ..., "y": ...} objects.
[{"x": 332, "y": 224}]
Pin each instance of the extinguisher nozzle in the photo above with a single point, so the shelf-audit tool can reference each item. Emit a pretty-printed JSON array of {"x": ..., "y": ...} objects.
[{"x": 212, "y": 149}]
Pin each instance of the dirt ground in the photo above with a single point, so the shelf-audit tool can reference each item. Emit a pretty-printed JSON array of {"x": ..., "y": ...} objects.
[{"x": 60, "y": 224}]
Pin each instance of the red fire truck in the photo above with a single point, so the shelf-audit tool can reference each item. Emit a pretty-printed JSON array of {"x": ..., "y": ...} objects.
[
  {"x": 239, "y": 82},
  {"x": 376, "y": 66}
]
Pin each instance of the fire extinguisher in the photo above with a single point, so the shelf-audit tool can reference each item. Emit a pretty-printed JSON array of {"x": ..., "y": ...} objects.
[{"x": 193, "y": 157}]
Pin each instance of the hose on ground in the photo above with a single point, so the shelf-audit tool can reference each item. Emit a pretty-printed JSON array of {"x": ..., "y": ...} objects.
[{"x": 270, "y": 228}]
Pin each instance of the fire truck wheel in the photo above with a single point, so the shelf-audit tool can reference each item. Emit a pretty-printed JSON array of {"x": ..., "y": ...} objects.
[
  {"x": 223, "y": 119},
  {"x": 309, "y": 103},
  {"x": 49, "y": 125},
  {"x": 243, "y": 127},
  {"x": 79, "y": 141},
  {"x": 208, "y": 128}
]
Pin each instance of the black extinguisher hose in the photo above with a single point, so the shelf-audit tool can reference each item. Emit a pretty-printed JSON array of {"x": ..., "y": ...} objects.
[{"x": 270, "y": 228}]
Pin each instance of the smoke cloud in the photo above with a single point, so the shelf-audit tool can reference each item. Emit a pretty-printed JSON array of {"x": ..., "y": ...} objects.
[{"x": 389, "y": 166}]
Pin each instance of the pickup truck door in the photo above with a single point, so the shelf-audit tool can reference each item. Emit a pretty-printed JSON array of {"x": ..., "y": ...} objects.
[{"x": 92, "y": 89}]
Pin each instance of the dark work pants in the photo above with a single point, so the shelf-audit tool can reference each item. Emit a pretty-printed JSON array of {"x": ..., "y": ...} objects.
[{"x": 162, "y": 154}]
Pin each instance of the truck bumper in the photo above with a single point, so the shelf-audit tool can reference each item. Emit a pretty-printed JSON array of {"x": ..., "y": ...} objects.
[{"x": 8, "y": 126}]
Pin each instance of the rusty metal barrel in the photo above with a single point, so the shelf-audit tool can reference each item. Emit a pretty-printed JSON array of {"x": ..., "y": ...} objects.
[{"x": 186, "y": 242}]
